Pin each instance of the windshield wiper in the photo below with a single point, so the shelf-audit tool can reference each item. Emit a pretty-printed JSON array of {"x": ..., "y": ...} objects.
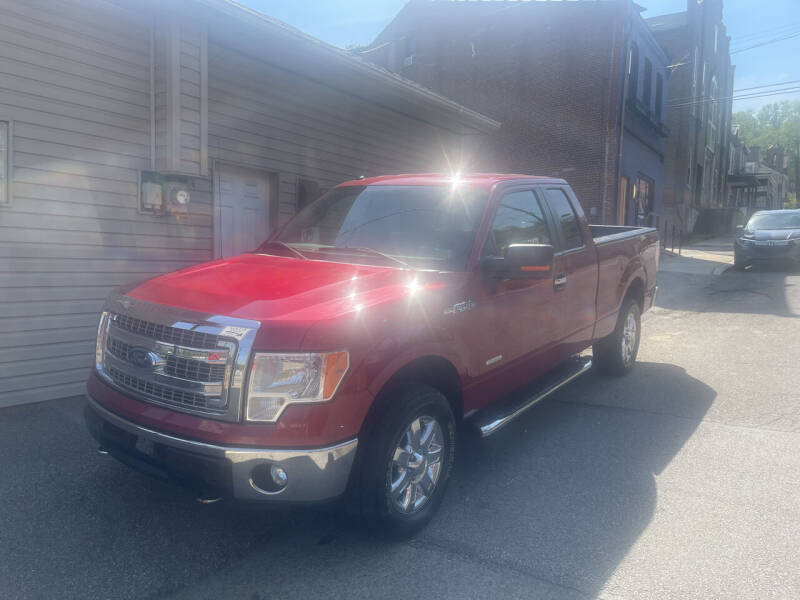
[
  {"x": 296, "y": 253},
  {"x": 404, "y": 264}
]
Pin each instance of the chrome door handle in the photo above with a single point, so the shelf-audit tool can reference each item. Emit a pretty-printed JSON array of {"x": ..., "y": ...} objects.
[{"x": 560, "y": 282}]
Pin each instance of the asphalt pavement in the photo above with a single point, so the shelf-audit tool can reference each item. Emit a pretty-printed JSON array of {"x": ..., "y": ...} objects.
[{"x": 681, "y": 480}]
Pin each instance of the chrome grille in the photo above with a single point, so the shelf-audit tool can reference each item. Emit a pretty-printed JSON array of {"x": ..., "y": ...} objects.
[
  {"x": 179, "y": 367},
  {"x": 189, "y": 361}
]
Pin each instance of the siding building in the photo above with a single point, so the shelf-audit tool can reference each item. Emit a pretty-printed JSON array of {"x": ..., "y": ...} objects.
[
  {"x": 699, "y": 116},
  {"x": 580, "y": 89},
  {"x": 141, "y": 137}
]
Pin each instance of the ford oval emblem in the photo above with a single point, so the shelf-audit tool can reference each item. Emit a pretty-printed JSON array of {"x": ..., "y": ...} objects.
[{"x": 141, "y": 357}]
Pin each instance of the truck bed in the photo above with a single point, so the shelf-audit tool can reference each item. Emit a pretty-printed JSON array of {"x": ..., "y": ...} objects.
[{"x": 621, "y": 252}]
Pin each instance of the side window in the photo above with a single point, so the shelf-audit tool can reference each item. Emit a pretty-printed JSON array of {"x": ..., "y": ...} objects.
[
  {"x": 519, "y": 220},
  {"x": 565, "y": 215}
]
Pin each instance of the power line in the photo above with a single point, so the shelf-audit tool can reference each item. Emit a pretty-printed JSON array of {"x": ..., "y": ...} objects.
[
  {"x": 790, "y": 90},
  {"x": 782, "y": 30},
  {"x": 772, "y": 41},
  {"x": 755, "y": 87},
  {"x": 707, "y": 100}
]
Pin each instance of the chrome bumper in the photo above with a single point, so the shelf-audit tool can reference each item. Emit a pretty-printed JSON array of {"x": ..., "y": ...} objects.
[{"x": 312, "y": 475}]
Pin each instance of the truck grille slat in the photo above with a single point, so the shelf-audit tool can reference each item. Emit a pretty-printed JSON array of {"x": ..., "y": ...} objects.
[
  {"x": 148, "y": 390},
  {"x": 164, "y": 333}
]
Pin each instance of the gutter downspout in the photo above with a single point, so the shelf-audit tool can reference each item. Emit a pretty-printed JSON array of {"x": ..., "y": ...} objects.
[
  {"x": 153, "y": 94},
  {"x": 621, "y": 113}
]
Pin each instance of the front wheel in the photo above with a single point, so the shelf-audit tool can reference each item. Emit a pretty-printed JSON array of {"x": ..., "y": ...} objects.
[
  {"x": 616, "y": 354},
  {"x": 739, "y": 264},
  {"x": 407, "y": 461}
]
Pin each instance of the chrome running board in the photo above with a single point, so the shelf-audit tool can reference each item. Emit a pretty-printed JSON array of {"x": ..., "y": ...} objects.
[{"x": 495, "y": 418}]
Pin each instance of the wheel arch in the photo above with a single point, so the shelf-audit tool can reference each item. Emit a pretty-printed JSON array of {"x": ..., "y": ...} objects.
[
  {"x": 635, "y": 290},
  {"x": 433, "y": 370}
]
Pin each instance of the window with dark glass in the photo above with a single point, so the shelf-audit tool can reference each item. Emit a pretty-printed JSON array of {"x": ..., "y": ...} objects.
[
  {"x": 659, "y": 96},
  {"x": 519, "y": 220},
  {"x": 564, "y": 214},
  {"x": 643, "y": 198},
  {"x": 633, "y": 71},
  {"x": 648, "y": 82}
]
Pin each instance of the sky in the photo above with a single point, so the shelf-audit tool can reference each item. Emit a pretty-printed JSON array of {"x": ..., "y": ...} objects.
[{"x": 340, "y": 22}]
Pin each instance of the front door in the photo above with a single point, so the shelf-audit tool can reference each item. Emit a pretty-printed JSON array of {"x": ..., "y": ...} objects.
[
  {"x": 509, "y": 323},
  {"x": 241, "y": 210}
]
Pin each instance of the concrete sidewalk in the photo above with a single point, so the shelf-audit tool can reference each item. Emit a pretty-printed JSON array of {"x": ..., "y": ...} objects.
[{"x": 707, "y": 257}]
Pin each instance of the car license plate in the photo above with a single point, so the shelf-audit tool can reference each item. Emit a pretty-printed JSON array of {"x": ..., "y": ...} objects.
[{"x": 146, "y": 446}]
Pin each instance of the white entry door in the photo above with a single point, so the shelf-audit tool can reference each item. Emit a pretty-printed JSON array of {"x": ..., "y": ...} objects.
[{"x": 241, "y": 210}]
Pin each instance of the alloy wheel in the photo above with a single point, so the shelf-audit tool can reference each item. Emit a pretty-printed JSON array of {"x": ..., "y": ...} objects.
[{"x": 416, "y": 465}]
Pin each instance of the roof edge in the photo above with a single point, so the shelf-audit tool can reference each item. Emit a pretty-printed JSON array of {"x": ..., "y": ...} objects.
[{"x": 480, "y": 122}]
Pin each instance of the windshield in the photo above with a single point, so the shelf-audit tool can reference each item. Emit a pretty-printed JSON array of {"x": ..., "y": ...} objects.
[
  {"x": 774, "y": 221},
  {"x": 429, "y": 227}
]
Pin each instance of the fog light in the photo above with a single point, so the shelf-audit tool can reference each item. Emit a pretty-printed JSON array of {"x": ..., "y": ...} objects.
[{"x": 279, "y": 476}]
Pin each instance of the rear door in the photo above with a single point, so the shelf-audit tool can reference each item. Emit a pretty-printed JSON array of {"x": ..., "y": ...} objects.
[{"x": 575, "y": 270}]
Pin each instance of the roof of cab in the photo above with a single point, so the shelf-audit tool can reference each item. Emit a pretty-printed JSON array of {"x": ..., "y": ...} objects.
[{"x": 475, "y": 180}]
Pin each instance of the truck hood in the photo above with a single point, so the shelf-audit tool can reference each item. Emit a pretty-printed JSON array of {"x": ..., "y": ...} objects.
[{"x": 261, "y": 287}]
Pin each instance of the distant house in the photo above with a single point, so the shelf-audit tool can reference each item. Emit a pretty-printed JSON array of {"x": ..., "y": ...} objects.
[
  {"x": 756, "y": 180},
  {"x": 699, "y": 117},
  {"x": 580, "y": 89},
  {"x": 140, "y": 137}
]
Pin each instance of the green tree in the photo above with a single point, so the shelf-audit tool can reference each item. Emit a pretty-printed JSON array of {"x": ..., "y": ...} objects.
[{"x": 776, "y": 123}]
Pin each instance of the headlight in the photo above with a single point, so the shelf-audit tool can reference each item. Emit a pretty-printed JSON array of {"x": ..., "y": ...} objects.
[
  {"x": 102, "y": 330},
  {"x": 278, "y": 380},
  {"x": 746, "y": 241}
]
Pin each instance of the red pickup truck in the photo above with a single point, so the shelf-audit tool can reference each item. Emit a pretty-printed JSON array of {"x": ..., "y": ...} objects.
[{"x": 337, "y": 359}]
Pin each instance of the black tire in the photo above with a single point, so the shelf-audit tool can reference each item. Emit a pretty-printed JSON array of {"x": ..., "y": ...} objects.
[
  {"x": 739, "y": 263},
  {"x": 370, "y": 491},
  {"x": 608, "y": 354}
]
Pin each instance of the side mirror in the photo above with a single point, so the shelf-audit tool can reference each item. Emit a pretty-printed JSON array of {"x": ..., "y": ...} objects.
[
  {"x": 739, "y": 227},
  {"x": 522, "y": 261}
]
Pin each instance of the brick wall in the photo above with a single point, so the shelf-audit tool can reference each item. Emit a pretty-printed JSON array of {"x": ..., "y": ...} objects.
[{"x": 549, "y": 72}]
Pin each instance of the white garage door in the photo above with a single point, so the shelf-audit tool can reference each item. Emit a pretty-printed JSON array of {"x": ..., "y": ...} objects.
[{"x": 241, "y": 210}]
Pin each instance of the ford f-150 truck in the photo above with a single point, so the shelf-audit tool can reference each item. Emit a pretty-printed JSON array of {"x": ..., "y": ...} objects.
[{"x": 341, "y": 357}]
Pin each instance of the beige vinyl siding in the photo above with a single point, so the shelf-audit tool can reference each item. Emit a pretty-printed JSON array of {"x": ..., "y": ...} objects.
[{"x": 75, "y": 83}]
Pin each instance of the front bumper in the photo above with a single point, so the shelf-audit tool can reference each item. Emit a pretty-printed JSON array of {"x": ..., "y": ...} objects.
[
  {"x": 768, "y": 252},
  {"x": 313, "y": 475}
]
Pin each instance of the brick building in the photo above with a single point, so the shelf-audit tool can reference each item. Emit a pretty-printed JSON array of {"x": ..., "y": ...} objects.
[
  {"x": 699, "y": 116},
  {"x": 557, "y": 75}
]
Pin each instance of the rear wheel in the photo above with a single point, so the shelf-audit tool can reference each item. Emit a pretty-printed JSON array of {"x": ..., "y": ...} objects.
[
  {"x": 616, "y": 354},
  {"x": 407, "y": 461}
]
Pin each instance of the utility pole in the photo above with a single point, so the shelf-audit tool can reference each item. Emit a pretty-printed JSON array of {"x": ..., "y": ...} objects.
[{"x": 797, "y": 171}]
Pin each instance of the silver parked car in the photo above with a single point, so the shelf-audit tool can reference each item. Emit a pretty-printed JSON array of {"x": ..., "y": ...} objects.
[{"x": 770, "y": 235}]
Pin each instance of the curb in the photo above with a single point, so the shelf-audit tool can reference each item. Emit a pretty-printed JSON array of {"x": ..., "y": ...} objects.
[{"x": 721, "y": 269}]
